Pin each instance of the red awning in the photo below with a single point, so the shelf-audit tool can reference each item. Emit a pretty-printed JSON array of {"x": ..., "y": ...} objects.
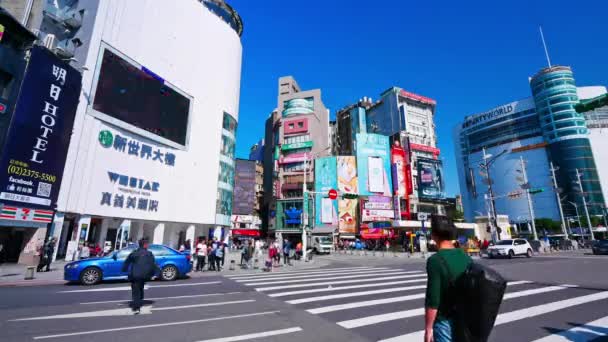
[{"x": 246, "y": 232}]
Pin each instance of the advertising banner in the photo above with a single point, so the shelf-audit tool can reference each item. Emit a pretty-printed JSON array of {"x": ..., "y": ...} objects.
[
  {"x": 399, "y": 163},
  {"x": 373, "y": 164},
  {"x": 377, "y": 215},
  {"x": 294, "y": 158},
  {"x": 348, "y": 216},
  {"x": 295, "y": 146},
  {"x": 347, "y": 175},
  {"x": 244, "y": 187},
  {"x": 430, "y": 179},
  {"x": 37, "y": 141},
  {"x": 326, "y": 213}
]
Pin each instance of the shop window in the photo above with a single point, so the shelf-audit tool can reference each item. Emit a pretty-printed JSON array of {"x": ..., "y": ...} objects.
[{"x": 229, "y": 123}]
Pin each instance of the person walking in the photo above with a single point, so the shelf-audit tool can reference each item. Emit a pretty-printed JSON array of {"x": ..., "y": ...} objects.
[
  {"x": 286, "y": 251},
  {"x": 85, "y": 251},
  {"x": 211, "y": 254},
  {"x": 201, "y": 255},
  {"x": 447, "y": 265},
  {"x": 49, "y": 250},
  {"x": 141, "y": 267},
  {"x": 223, "y": 247},
  {"x": 219, "y": 256}
]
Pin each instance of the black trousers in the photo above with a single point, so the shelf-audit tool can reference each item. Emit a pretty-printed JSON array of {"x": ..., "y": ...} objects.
[
  {"x": 211, "y": 263},
  {"x": 218, "y": 263},
  {"x": 200, "y": 262},
  {"x": 137, "y": 293}
]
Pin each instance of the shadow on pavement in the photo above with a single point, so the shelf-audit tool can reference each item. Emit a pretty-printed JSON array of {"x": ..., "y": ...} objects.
[{"x": 590, "y": 333}]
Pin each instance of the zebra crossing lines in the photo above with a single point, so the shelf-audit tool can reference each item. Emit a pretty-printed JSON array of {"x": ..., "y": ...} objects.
[
  {"x": 517, "y": 315},
  {"x": 355, "y": 294},
  {"x": 307, "y": 275},
  {"x": 295, "y": 286},
  {"x": 298, "y": 271},
  {"x": 367, "y": 274},
  {"x": 583, "y": 333},
  {"x": 332, "y": 289},
  {"x": 248, "y": 337},
  {"x": 369, "y": 320}
]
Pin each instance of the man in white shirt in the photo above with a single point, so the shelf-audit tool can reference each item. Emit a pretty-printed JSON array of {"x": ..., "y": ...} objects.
[{"x": 201, "y": 255}]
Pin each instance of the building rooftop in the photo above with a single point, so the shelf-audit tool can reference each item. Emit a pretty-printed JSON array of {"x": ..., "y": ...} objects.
[{"x": 226, "y": 13}]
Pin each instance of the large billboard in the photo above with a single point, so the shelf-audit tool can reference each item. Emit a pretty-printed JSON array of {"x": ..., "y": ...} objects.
[
  {"x": 430, "y": 179},
  {"x": 244, "y": 188},
  {"x": 373, "y": 164},
  {"x": 37, "y": 142},
  {"x": 348, "y": 216},
  {"x": 347, "y": 175},
  {"x": 326, "y": 210}
]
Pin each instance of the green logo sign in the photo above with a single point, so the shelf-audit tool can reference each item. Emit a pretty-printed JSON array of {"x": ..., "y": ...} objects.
[{"x": 106, "y": 138}]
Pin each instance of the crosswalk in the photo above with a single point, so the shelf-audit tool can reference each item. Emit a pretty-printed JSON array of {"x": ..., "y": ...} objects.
[{"x": 387, "y": 304}]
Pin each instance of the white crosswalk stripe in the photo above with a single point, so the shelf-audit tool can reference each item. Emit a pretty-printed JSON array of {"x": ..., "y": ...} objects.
[{"x": 348, "y": 296}]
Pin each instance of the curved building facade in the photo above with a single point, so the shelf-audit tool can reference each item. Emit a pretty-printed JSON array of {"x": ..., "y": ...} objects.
[
  {"x": 152, "y": 150},
  {"x": 555, "y": 96},
  {"x": 540, "y": 129}
]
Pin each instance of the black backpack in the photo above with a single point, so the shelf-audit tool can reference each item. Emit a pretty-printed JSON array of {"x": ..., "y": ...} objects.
[{"x": 475, "y": 299}]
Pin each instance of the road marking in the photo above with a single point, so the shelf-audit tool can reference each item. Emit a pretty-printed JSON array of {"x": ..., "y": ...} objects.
[
  {"x": 256, "y": 335},
  {"x": 364, "y": 321},
  {"x": 582, "y": 333},
  {"x": 278, "y": 277},
  {"x": 202, "y": 305},
  {"x": 146, "y": 287},
  {"x": 91, "y": 332},
  {"x": 354, "y": 305},
  {"x": 126, "y": 311},
  {"x": 300, "y": 271},
  {"x": 519, "y": 314},
  {"x": 366, "y": 275},
  {"x": 160, "y": 298},
  {"x": 103, "y": 289},
  {"x": 330, "y": 289},
  {"x": 533, "y": 292},
  {"x": 185, "y": 284},
  {"x": 270, "y": 288},
  {"x": 354, "y": 294}
]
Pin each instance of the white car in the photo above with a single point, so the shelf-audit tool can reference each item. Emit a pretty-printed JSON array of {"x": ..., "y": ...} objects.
[{"x": 510, "y": 248}]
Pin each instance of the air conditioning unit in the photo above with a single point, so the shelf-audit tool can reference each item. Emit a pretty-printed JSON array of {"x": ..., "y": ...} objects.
[{"x": 49, "y": 41}]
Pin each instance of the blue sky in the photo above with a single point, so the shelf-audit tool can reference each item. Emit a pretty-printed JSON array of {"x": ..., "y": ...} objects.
[{"x": 468, "y": 55}]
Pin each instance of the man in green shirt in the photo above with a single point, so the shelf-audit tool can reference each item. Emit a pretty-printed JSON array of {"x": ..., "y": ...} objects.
[{"x": 448, "y": 261}]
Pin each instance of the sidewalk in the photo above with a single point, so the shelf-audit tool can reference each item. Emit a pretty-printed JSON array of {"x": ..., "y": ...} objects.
[{"x": 14, "y": 275}]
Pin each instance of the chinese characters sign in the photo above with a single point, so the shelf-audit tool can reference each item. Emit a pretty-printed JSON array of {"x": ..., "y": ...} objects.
[
  {"x": 37, "y": 142},
  {"x": 130, "y": 193},
  {"x": 135, "y": 148}
]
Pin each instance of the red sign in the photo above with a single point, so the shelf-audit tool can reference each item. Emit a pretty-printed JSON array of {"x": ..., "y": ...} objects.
[
  {"x": 2, "y": 108},
  {"x": 424, "y": 148},
  {"x": 417, "y": 97},
  {"x": 246, "y": 232},
  {"x": 333, "y": 194}
]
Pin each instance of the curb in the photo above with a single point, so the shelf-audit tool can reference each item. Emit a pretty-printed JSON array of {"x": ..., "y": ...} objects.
[{"x": 34, "y": 282}]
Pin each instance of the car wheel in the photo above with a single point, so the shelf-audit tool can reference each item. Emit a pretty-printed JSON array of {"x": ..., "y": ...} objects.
[
  {"x": 511, "y": 254},
  {"x": 169, "y": 273},
  {"x": 90, "y": 276},
  {"x": 529, "y": 253}
]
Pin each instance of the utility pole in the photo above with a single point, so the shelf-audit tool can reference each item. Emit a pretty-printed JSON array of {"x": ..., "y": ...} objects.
[
  {"x": 492, "y": 214},
  {"x": 580, "y": 185},
  {"x": 305, "y": 209},
  {"x": 559, "y": 200},
  {"x": 526, "y": 187}
]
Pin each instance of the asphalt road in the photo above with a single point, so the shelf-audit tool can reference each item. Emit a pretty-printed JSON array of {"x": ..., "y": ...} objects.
[{"x": 355, "y": 299}]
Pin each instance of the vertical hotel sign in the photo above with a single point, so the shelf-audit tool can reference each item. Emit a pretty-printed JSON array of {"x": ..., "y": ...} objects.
[{"x": 37, "y": 142}]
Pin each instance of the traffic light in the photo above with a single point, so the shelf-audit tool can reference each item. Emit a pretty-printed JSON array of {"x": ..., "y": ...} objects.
[
  {"x": 488, "y": 229},
  {"x": 350, "y": 196}
]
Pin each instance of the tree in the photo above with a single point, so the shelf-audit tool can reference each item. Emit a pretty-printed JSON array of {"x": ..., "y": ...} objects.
[{"x": 549, "y": 225}]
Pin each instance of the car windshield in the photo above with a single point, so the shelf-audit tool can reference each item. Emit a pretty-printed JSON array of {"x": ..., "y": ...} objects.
[
  {"x": 504, "y": 243},
  {"x": 325, "y": 240},
  {"x": 124, "y": 253}
]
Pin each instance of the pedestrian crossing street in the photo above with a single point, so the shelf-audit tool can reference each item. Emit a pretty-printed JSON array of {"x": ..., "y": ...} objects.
[{"x": 387, "y": 304}]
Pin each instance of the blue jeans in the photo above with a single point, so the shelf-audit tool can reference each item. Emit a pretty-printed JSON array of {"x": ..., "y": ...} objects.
[{"x": 442, "y": 331}]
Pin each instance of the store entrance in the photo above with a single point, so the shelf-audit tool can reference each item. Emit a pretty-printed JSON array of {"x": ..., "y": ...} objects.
[{"x": 11, "y": 241}]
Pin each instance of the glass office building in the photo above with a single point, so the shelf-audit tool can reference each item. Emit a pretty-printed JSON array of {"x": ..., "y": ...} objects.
[{"x": 540, "y": 129}]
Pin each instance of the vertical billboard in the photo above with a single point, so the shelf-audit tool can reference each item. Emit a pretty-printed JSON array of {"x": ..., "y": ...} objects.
[
  {"x": 430, "y": 179},
  {"x": 326, "y": 210},
  {"x": 39, "y": 135},
  {"x": 402, "y": 179},
  {"x": 348, "y": 182},
  {"x": 244, "y": 188},
  {"x": 373, "y": 165}
]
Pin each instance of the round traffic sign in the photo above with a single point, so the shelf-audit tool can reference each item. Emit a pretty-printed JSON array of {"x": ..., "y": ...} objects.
[{"x": 333, "y": 194}]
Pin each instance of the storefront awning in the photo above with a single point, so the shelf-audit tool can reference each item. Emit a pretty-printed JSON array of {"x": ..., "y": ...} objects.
[{"x": 246, "y": 232}]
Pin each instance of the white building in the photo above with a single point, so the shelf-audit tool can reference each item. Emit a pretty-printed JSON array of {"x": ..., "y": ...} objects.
[{"x": 156, "y": 165}]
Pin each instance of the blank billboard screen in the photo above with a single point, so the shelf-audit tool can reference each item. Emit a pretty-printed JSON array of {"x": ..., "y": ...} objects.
[{"x": 137, "y": 96}]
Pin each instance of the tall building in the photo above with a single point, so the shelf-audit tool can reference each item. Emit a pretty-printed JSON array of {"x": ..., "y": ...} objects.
[
  {"x": 539, "y": 130},
  {"x": 256, "y": 152},
  {"x": 246, "y": 209},
  {"x": 152, "y": 149},
  {"x": 409, "y": 118},
  {"x": 296, "y": 132}
]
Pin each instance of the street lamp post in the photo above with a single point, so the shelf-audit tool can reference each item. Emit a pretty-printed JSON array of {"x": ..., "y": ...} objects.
[
  {"x": 526, "y": 185},
  {"x": 488, "y": 160},
  {"x": 580, "y": 185},
  {"x": 559, "y": 201},
  {"x": 305, "y": 204}
]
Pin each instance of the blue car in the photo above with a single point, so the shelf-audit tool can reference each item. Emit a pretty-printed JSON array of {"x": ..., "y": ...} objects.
[{"x": 172, "y": 265}]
